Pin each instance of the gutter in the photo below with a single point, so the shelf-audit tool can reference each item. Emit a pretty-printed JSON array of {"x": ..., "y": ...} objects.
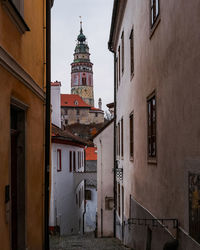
[
  {"x": 47, "y": 122},
  {"x": 115, "y": 162}
]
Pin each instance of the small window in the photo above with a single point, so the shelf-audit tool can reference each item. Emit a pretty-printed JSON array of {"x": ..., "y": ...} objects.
[
  {"x": 70, "y": 161},
  {"x": 122, "y": 138},
  {"x": 96, "y": 114},
  {"x": 88, "y": 195},
  {"x": 155, "y": 11},
  {"x": 116, "y": 72},
  {"x": 74, "y": 161},
  {"x": 59, "y": 160},
  {"x": 151, "y": 113},
  {"x": 78, "y": 112},
  {"x": 119, "y": 66},
  {"x": 131, "y": 52},
  {"x": 131, "y": 135},
  {"x": 84, "y": 81},
  {"x": 66, "y": 122},
  {"x": 119, "y": 200},
  {"x": 78, "y": 121},
  {"x": 122, "y": 39}
]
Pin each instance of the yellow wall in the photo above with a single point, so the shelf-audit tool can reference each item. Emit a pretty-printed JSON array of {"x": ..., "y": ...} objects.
[
  {"x": 28, "y": 51},
  {"x": 29, "y": 47}
]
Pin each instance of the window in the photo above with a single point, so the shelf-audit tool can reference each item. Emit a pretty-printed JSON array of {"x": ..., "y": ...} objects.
[
  {"x": 88, "y": 195},
  {"x": 131, "y": 135},
  {"x": 122, "y": 138},
  {"x": 122, "y": 38},
  {"x": 70, "y": 161},
  {"x": 82, "y": 159},
  {"x": 118, "y": 139},
  {"x": 119, "y": 210},
  {"x": 155, "y": 10},
  {"x": 132, "y": 52},
  {"x": 78, "y": 112},
  {"x": 119, "y": 66},
  {"x": 84, "y": 81},
  {"x": 151, "y": 113},
  {"x": 74, "y": 161},
  {"x": 78, "y": 121},
  {"x": 96, "y": 114},
  {"x": 66, "y": 122},
  {"x": 15, "y": 9},
  {"x": 116, "y": 73},
  {"x": 59, "y": 166},
  {"x": 79, "y": 159}
]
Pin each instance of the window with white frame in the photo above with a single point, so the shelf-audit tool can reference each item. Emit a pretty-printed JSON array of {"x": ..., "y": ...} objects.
[{"x": 59, "y": 160}]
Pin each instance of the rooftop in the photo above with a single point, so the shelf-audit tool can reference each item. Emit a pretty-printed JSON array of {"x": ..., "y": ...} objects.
[
  {"x": 70, "y": 100},
  {"x": 91, "y": 154}
]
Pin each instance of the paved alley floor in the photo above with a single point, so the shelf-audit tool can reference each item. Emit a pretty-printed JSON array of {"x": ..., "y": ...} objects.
[{"x": 85, "y": 242}]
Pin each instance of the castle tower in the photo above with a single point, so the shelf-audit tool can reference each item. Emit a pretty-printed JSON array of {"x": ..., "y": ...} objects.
[{"x": 81, "y": 70}]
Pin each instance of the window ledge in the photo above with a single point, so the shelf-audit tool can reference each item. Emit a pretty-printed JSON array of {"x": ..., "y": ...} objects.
[
  {"x": 15, "y": 16},
  {"x": 132, "y": 75},
  {"x": 153, "y": 28},
  {"x": 152, "y": 161},
  {"x": 131, "y": 158}
]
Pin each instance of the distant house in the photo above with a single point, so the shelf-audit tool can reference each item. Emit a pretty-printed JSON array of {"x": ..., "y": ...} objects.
[
  {"x": 75, "y": 110},
  {"x": 105, "y": 163},
  {"x": 90, "y": 189},
  {"x": 67, "y": 158}
]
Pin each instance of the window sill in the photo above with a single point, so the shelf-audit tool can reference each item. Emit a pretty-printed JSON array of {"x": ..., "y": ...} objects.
[
  {"x": 132, "y": 75},
  {"x": 152, "y": 161},
  {"x": 15, "y": 16},
  {"x": 131, "y": 158},
  {"x": 154, "y": 27}
]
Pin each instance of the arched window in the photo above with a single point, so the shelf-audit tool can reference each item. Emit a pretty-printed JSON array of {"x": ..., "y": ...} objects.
[{"x": 84, "y": 80}]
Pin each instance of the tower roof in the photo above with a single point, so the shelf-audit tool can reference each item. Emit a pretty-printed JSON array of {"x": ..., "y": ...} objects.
[
  {"x": 81, "y": 46},
  {"x": 81, "y": 37}
]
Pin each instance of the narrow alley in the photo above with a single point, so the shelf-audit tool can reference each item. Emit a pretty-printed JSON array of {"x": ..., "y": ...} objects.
[{"x": 85, "y": 242}]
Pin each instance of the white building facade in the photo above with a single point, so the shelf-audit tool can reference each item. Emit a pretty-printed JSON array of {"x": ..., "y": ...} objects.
[
  {"x": 66, "y": 159},
  {"x": 157, "y": 123},
  {"x": 105, "y": 180}
]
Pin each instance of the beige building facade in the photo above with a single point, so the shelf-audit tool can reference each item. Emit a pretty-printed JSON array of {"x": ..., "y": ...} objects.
[
  {"x": 105, "y": 196},
  {"x": 156, "y": 49}
]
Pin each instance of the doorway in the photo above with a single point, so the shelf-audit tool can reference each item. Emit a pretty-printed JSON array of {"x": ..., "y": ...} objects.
[{"x": 17, "y": 134}]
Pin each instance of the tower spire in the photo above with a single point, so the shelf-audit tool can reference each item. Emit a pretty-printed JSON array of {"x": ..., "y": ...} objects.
[
  {"x": 81, "y": 30},
  {"x": 81, "y": 70}
]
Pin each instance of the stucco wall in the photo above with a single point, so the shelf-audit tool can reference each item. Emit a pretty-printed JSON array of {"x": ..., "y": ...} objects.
[
  {"x": 26, "y": 50},
  {"x": 55, "y": 105},
  {"x": 167, "y": 62},
  {"x": 90, "y": 211},
  {"x": 104, "y": 142},
  {"x": 63, "y": 208},
  {"x": 84, "y": 116}
]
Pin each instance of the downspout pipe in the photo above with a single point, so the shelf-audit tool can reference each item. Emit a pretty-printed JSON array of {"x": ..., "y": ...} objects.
[
  {"x": 115, "y": 162},
  {"x": 47, "y": 122},
  {"x": 114, "y": 150}
]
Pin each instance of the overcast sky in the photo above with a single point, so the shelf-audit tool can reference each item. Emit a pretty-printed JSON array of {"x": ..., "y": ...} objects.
[{"x": 96, "y": 18}]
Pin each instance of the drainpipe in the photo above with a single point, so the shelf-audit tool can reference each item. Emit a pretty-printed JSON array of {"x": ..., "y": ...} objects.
[
  {"x": 47, "y": 122},
  {"x": 115, "y": 162},
  {"x": 110, "y": 47}
]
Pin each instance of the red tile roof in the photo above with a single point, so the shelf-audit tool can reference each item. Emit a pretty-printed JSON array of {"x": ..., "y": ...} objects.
[
  {"x": 91, "y": 154},
  {"x": 56, "y": 83},
  {"x": 92, "y": 108},
  {"x": 68, "y": 100}
]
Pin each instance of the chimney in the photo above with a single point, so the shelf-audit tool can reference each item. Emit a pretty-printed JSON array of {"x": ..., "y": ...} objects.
[
  {"x": 55, "y": 103},
  {"x": 100, "y": 103}
]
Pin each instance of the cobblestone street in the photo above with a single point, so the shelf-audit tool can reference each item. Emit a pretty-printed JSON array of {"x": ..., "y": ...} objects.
[{"x": 86, "y": 242}]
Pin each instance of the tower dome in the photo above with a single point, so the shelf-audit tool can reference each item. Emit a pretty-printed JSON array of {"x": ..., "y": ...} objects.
[{"x": 81, "y": 70}]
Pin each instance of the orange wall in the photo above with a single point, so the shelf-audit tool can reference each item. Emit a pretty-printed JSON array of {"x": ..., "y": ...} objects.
[
  {"x": 28, "y": 47},
  {"x": 28, "y": 51}
]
